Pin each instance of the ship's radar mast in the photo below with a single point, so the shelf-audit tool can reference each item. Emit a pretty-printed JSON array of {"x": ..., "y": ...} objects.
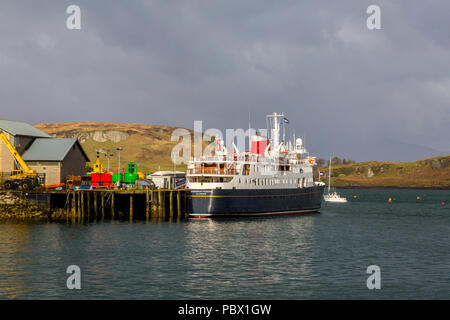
[{"x": 274, "y": 121}]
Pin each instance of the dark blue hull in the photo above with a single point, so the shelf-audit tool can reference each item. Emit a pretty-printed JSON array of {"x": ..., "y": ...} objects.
[{"x": 253, "y": 202}]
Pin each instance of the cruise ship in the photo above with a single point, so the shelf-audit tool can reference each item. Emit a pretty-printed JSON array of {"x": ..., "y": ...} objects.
[{"x": 274, "y": 178}]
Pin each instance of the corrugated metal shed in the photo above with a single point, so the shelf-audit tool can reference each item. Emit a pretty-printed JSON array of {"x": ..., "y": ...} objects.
[
  {"x": 50, "y": 149},
  {"x": 17, "y": 128}
]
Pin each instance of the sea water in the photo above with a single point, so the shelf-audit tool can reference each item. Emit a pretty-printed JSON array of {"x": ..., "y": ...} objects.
[{"x": 311, "y": 256}]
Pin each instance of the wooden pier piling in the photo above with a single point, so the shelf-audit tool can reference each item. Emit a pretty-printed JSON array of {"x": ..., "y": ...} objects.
[
  {"x": 147, "y": 206},
  {"x": 160, "y": 205},
  {"x": 82, "y": 206},
  {"x": 131, "y": 208},
  {"x": 79, "y": 206},
  {"x": 178, "y": 205},
  {"x": 95, "y": 204},
  {"x": 112, "y": 206},
  {"x": 73, "y": 207},
  {"x": 103, "y": 205},
  {"x": 170, "y": 205}
]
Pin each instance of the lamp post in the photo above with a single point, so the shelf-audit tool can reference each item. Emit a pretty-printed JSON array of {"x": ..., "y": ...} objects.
[
  {"x": 119, "y": 149},
  {"x": 118, "y": 181},
  {"x": 108, "y": 155}
]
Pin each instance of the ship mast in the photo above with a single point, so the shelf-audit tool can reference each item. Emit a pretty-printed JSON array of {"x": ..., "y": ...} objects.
[
  {"x": 329, "y": 176},
  {"x": 274, "y": 122}
]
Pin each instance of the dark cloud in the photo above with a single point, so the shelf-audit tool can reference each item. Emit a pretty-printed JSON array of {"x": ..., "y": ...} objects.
[{"x": 381, "y": 95}]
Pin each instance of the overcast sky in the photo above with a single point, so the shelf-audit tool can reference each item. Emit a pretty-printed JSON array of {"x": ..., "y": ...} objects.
[{"x": 354, "y": 92}]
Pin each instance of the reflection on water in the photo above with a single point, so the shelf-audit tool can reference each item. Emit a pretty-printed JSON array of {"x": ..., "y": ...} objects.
[
  {"x": 253, "y": 254},
  {"x": 320, "y": 256},
  {"x": 13, "y": 261}
]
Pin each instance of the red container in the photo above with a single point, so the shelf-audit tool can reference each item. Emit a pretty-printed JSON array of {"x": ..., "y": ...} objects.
[{"x": 101, "y": 180}]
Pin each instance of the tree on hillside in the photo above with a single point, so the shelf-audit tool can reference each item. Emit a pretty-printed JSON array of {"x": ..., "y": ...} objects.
[
  {"x": 348, "y": 161},
  {"x": 334, "y": 161},
  {"x": 320, "y": 162}
]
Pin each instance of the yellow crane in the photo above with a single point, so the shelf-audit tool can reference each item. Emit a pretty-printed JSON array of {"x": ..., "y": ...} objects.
[{"x": 19, "y": 179}]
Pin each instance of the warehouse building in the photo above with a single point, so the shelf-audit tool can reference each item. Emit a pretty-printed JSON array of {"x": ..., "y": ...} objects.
[
  {"x": 21, "y": 135},
  {"x": 55, "y": 158}
]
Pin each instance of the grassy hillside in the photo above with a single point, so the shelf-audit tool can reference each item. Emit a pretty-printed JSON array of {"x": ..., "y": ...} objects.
[
  {"x": 149, "y": 146},
  {"x": 427, "y": 173}
]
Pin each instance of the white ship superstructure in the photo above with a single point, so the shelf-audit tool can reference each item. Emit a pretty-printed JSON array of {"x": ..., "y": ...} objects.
[
  {"x": 271, "y": 176},
  {"x": 270, "y": 164}
]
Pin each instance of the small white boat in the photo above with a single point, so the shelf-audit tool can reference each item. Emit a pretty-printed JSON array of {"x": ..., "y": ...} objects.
[{"x": 332, "y": 197}]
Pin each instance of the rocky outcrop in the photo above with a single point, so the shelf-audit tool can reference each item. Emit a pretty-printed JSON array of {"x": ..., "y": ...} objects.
[
  {"x": 436, "y": 164},
  {"x": 8, "y": 199},
  {"x": 102, "y": 136},
  {"x": 14, "y": 207},
  {"x": 98, "y": 136},
  {"x": 113, "y": 135}
]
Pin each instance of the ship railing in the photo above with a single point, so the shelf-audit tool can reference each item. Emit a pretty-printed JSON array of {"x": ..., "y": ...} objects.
[
  {"x": 247, "y": 157},
  {"x": 213, "y": 171}
]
